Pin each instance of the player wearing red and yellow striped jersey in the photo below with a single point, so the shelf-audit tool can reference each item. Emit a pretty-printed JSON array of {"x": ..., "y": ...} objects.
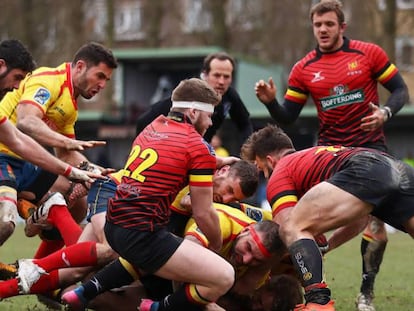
[
  {"x": 247, "y": 244},
  {"x": 44, "y": 107}
]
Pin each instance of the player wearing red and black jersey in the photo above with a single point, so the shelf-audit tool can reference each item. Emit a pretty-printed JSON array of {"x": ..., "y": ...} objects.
[
  {"x": 342, "y": 76},
  {"x": 166, "y": 156},
  {"x": 181, "y": 158},
  {"x": 323, "y": 188},
  {"x": 343, "y": 84}
]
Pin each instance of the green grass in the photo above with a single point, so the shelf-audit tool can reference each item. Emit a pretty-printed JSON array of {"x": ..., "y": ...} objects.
[{"x": 394, "y": 287}]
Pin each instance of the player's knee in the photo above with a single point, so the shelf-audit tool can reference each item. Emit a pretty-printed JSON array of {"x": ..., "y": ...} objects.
[
  {"x": 226, "y": 281},
  {"x": 105, "y": 254}
]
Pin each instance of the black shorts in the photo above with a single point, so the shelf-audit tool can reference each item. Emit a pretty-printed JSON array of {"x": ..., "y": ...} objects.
[
  {"x": 146, "y": 250},
  {"x": 384, "y": 182}
]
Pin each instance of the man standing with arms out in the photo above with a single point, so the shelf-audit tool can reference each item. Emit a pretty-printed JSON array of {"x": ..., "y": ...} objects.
[
  {"x": 45, "y": 108},
  {"x": 217, "y": 71},
  {"x": 168, "y": 154},
  {"x": 341, "y": 76}
]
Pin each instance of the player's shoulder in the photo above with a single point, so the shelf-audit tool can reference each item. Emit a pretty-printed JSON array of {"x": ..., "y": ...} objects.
[
  {"x": 364, "y": 46},
  {"x": 49, "y": 76}
]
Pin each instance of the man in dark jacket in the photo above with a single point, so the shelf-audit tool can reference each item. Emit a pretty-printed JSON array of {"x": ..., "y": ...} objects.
[{"x": 218, "y": 72}]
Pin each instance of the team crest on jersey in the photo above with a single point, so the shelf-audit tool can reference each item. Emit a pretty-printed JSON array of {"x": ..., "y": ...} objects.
[
  {"x": 41, "y": 96},
  {"x": 317, "y": 76},
  {"x": 353, "y": 68},
  {"x": 254, "y": 214}
]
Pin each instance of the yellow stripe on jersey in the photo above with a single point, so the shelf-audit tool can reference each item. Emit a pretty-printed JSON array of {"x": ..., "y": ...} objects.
[
  {"x": 387, "y": 72},
  {"x": 201, "y": 178},
  {"x": 283, "y": 200},
  {"x": 296, "y": 94}
]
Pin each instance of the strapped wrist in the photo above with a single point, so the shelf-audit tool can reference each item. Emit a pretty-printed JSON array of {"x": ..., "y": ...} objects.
[
  {"x": 67, "y": 171},
  {"x": 387, "y": 113}
]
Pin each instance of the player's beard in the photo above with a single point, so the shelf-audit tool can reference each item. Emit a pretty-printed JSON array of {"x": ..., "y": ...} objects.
[
  {"x": 83, "y": 86},
  {"x": 333, "y": 46},
  {"x": 4, "y": 90}
]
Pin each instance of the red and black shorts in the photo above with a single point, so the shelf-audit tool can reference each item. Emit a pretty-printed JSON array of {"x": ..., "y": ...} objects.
[{"x": 384, "y": 182}]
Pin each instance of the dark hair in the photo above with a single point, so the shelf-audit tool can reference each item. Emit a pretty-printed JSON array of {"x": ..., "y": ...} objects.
[
  {"x": 326, "y": 6},
  {"x": 16, "y": 56},
  {"x": 287, "y": 292},
  {"x": 269, "y": 231},
  {"x": 265, "y": 141},
  {"x": 218, "y": 55},
  {"x": 248, "y": 174},
  {"x": 195, "y": 90},
  {"x": 94, "y": 53}
]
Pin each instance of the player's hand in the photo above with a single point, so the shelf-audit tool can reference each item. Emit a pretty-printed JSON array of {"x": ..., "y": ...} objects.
[
  {"x": 221, "y": 161},
  {"x": 265, "y": 92},
  {"x": 80, "y": 176},
  {"x": 79, "y": 145},
  {"x": 374, "y": 120}
]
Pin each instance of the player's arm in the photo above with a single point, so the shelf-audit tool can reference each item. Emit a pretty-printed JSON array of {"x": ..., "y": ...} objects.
[
  {"x": 398, "y": 97},
  {"x": 29, "y": 121},
  {"x": 205, "y": 215},
  {"x": 346, "y": 233},
  {"x": 30, "y": 150},
  {"x": 286, "y": 113}
]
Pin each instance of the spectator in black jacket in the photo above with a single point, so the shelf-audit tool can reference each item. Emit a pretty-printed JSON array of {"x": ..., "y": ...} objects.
[{"x": 218, "y": 72}]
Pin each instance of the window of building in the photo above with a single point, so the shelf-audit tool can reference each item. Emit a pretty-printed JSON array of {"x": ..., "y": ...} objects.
[
  {"x": 197, "y": 17},
  {"x": 405, "y": 53},
  {"x": 128, "y": 21}
]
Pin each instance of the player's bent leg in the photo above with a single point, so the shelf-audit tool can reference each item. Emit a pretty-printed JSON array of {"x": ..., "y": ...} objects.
[
  {"x": 213, "y": 275},
  {"x": 8, "y": 212}
]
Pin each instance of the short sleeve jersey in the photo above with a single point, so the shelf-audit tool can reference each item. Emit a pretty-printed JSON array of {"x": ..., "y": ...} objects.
[
  {"x": 166, "y": 156},
  {"x": 342, "y": 84},
  {"x": 296, "y": 173},
  {"x": 51, "y": 91}
]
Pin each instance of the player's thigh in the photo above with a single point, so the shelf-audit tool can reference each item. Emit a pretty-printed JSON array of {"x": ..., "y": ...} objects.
[
  {"x": 87, "y": 234},
  {"x": 98, "y": 223},
  {"x": 194, "y": 263},
  {"x": 325, "y": 207}
]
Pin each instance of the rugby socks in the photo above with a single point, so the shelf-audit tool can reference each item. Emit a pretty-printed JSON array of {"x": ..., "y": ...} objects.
[
  {"x": 60, "y": 217},
  {"x": 372, "y": 252},
  {"x": 9, "y": 288},
  {"x": 78, "y": 255},
  {"x": 104, "y": 279},
  {"x": 46, "y": 283},
  {"x": 307, "y": 259},
  {"x": 185, "y": 298}
]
